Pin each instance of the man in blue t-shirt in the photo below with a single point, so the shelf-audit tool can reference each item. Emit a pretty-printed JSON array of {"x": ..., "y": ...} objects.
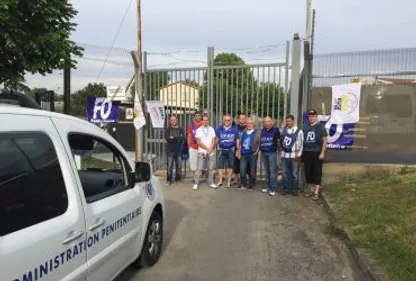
[
  {"x": 269, "y": 144},
  {"x": 248, "y": 145},
  {"x": 227, "y": 136}
]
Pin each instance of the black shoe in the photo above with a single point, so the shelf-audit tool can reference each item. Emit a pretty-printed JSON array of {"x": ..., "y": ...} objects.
[
  {"x": 284, "y": 193},
  {"x": 295, "y": 193}
]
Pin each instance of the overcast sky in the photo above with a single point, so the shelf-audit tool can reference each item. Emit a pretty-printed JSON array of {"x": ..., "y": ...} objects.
[{"x": 341, "y": 25}]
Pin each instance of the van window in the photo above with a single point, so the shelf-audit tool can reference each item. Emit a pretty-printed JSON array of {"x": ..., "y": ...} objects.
[
  {"x": 102, "y": 169},
  {"x": 32, "y": 189}
]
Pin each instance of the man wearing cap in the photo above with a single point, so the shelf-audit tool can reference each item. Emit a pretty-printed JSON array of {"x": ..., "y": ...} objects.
[
  {"x": 314, "y": 146},
  {"x": 192, "y": 143}
]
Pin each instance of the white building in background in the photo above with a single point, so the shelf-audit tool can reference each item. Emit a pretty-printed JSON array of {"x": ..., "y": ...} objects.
[{"x": 180, "y": 97}]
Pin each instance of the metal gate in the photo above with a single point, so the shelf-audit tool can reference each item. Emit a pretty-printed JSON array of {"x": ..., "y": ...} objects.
[{"x": 255, "y": 89}]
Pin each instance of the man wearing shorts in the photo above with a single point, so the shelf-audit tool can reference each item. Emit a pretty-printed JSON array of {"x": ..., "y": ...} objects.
[
  {"x": 241, "y": 127},
  {"x": 192, "y": 144},
  {"x": 314, "y": 146},
  {"x": 206, "y": 139},
  {"x": 227, "y": 136}
]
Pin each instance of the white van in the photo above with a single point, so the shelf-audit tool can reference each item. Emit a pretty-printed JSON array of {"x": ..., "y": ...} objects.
[{"x": 73, "y": 206}]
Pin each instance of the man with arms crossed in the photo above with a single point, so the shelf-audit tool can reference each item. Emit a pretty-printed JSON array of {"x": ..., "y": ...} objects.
[
  {"x": 175, "y": 136},
  {"x": 227, "y": 136},
  {"x": 269, "y": 144},
  {"x": 206, "y": 139},
  {"x": 292, "y": 146},
  {"x": 248, "y": 145},
  {"x": 314, "y": 146},
  {"x": 192, "y": 144}
]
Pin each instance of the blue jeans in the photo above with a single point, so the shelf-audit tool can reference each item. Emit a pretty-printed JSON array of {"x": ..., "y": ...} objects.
[
  {"x": 177, "y": 158},
  {"x": 290, "y": 174},
  {"x": 270, "y": 166},
  {"x": 248, "y": 162}
]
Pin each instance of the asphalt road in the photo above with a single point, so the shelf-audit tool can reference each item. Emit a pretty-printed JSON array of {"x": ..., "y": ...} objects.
[{"x": 229, "y": 235}]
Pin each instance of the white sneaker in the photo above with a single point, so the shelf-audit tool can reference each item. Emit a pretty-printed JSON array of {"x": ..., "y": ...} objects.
[
  {"x": 195, "y": 187},
  {"x": 272, "y": 193},
  {"x": 219, "y": 183},
  {"x": 213, "y": 185},
  {"x": 264, "y": 190}
]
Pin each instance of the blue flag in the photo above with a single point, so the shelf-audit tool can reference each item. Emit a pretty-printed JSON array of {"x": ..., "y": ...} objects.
[{"x": 102, "y": 110}]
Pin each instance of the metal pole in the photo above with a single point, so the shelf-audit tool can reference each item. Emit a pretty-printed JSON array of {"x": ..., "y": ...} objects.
[
  {"x": 309, "y": 97},
  {"x": 294, "y": 92},
  {"x": 67, "y": 89},
  {"x": 286, "y": 79},
  {"x": 306, "y": 76},
  {"x": 138, "y": 84},
  {"x": 210, "y": 83},
  {"x": 308, "y": 33}
]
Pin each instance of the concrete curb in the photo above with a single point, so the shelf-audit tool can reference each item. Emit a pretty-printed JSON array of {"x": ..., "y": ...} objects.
[{"x": 364, "y": 267}]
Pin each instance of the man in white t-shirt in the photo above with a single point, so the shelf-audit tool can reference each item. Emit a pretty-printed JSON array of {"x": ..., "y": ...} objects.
[{"x": 206, "y": 139}]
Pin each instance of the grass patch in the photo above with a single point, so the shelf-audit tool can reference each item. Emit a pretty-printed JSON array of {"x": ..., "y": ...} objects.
[{"x": 378, "y": 210}]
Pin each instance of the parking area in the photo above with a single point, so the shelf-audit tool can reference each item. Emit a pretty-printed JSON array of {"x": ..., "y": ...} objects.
[{"x": 226, "y": 234}]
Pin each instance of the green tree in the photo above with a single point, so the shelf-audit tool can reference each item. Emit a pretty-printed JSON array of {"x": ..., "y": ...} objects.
[
  {"x": 35, "y": 38},
  {"x": 269, "y": 100},
  {"x": 233, "y": 87},
  {"x": 79, "y": 98}
]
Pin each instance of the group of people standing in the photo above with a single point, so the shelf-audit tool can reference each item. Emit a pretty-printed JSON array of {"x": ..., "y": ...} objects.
[{"x": 240, "y": 146}]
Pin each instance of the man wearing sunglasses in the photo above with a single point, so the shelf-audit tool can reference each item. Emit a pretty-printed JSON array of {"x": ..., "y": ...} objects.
[{"x": 227, "y": 136}]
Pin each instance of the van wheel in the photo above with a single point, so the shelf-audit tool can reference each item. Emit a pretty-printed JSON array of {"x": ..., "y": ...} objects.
[{"x": 152, "y": 244}]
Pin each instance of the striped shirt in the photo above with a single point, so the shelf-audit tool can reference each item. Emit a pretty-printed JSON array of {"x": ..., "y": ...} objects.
[{"x": 297, "y": 148}]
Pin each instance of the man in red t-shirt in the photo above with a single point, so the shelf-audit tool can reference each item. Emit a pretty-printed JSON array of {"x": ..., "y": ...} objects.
[{"x": 193, "y": 146}]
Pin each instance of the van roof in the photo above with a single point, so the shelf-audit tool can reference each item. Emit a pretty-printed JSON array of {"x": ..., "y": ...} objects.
[{"x": 17, "y": 110}]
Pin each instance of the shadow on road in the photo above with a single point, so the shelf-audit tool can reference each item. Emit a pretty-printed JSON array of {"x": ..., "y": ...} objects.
[{"x": 175, "y": 212}]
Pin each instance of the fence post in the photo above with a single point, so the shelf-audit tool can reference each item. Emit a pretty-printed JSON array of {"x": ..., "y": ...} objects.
[
  {"x": 310, "y": 74},
  {"x": 286, "y": 79},
  {"x": 210, "y": 83},
  {"x": 306, "y": 76},
  {"x": 294, "y": 92}
]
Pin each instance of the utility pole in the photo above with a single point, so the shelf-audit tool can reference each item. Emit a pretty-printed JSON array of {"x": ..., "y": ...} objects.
[
  {"x": 308, "y": 32},
  {"x": 67, "y": 88},
  {"x": 138, "y": 85}
]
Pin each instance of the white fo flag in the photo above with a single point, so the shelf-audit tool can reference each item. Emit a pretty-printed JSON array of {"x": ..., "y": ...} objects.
[{"x": 346, "y": 103}]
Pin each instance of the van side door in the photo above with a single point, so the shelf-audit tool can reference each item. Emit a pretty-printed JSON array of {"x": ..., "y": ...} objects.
[
  {"x": 42, "y": 229},
  {"x": 113, "y": 206}
]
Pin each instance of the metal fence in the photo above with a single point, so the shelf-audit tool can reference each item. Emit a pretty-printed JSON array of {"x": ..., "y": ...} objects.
[
  {"x": 215, "y": 89},
  {"x": 387, "y": 127}
]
